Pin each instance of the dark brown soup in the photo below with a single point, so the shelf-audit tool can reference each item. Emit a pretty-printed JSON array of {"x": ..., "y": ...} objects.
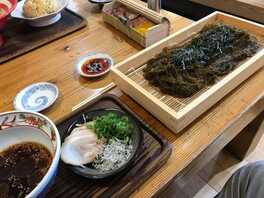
[{"x": 22, "y": 166}]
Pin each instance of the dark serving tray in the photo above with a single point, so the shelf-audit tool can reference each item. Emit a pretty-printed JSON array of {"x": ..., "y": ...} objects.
[
  {"x": 155, "y": 152},
  {"x": 21, "y": 38}
]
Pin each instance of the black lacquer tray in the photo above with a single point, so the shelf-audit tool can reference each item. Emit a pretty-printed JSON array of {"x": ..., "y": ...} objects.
[
  {"x": 21, "y": 38},
  {"x": 154, "y": 153}
]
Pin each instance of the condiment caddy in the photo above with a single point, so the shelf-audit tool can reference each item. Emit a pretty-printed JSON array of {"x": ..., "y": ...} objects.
[{"x": 153, "y": 26}]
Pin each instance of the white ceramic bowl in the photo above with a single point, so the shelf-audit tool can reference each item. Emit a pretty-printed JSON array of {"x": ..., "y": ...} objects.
[
  {"x": 41, "y": 21},
  {"x": 90, "y": 56},
  {"x": 18, "y": 126}
]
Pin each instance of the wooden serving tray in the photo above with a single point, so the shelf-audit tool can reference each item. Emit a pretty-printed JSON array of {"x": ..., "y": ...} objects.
[
  {"x": 21, "y": 38},
  {"x": 155, "y": 152},
  {"x": 154, "y": 34},
  {"x": 177, "y": 113}
]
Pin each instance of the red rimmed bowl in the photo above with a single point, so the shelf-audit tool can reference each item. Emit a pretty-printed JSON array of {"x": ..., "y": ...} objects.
[
  {"x": 7, "y": 9},
  {"x": 18, "y": 127}
]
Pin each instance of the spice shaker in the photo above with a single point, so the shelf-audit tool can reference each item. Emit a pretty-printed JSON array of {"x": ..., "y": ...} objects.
[{"x": 154, "y": 5}]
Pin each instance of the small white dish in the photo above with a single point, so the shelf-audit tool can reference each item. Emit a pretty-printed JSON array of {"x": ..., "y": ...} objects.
[
  {"x": 100, "y": 1},
  {"x": 92, "y": 56},
  {"x": 36, "y": 97},
  {"x": 41, "y": 21}
]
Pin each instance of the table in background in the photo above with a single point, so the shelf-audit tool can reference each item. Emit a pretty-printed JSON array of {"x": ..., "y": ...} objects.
[
  {"x": 55, "y": 62},
  {"x": 250, "y": 9}
]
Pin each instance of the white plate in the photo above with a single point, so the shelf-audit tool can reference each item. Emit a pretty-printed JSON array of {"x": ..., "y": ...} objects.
[
  {"x": 101, "y": 1},
  {"x": 36, "y": 97},
  {"x": 93, "y": 55},
  {"x": 42, "y": 20}
]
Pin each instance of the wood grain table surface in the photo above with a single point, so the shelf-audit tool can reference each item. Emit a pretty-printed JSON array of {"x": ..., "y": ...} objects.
[
  {"x": 250, "y": 9},
  {"x": 55, "y": 63}
]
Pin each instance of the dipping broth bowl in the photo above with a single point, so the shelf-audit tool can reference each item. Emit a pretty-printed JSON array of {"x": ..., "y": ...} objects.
[{"x": 21, "y": 126}]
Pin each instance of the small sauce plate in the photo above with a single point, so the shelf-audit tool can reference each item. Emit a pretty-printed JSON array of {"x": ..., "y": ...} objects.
[
  {"x": 36, "y": 97},
  {"x": 94, "y": 65}
]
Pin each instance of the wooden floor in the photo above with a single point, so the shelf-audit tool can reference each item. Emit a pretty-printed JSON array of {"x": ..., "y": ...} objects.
[{"x": 209, "y": 181}]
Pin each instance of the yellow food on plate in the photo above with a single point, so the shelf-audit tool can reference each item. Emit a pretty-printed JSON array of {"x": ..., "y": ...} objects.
[
  {"x": 37, "y": 8},
  {"x": 141, "y": 24}
]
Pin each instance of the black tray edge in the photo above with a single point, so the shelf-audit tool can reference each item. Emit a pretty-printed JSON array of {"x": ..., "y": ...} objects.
[{"x": 29, "y": 49}]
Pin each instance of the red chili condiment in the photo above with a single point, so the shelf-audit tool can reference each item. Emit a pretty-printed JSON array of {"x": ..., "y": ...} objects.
[{"x": 95, "y": 66}]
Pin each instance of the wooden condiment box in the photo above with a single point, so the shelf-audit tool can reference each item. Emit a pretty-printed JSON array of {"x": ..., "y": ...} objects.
[
  {"x": 177, "y": 113},
  {"x": 160, "y": 30}
]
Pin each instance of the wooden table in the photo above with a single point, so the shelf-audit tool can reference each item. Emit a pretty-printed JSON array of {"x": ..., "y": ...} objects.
[
  {"x": 191, "y": 149},
  {"x": 56, "y": 61},
  {"x": 250, "y": 9}
]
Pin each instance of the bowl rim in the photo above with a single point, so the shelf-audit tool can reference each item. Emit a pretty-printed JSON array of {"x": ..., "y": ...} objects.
[
  {"x": 100, "y": 2},
  {"x": 13, "y": 7},
  {"x": 113, "y": 172},
  {"x": 55, "y": 160}
]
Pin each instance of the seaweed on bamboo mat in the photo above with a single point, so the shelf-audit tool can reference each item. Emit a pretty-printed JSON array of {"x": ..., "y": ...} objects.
[{"x": 214, "y": 52}]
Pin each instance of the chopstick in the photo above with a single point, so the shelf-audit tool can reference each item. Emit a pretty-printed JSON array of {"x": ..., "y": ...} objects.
[{"x": 91, "y": 98}]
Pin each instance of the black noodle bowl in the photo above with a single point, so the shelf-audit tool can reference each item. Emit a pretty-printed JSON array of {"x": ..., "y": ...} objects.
[{"x": 87, "y": 170}]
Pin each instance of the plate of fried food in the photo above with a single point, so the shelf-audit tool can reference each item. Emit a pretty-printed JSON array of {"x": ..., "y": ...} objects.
[{"x": 40, "y": 13}]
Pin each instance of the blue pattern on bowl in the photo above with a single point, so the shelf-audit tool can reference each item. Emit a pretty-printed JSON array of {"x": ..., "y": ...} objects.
[{"x": 41, "y": 101}]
